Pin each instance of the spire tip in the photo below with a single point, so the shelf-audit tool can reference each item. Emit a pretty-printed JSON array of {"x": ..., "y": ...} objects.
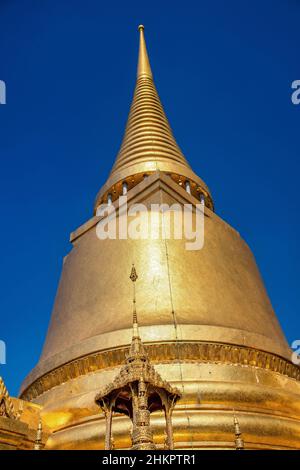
[{"x": 144, "y": 69}]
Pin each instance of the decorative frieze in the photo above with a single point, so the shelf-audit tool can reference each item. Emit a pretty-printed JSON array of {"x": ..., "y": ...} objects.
[{"x": 199, "y": 352}]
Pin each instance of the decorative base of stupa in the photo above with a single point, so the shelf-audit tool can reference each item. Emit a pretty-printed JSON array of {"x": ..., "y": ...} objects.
[{"x": 267, "y": 405}]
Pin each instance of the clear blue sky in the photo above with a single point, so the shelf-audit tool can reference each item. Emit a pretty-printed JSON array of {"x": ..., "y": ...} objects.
[{"x": 223, "y": 70}]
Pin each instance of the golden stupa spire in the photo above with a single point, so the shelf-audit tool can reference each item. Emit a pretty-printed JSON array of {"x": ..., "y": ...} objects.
[
  {"x": 148, "y": 135},
  {"x": 148, "y": 144}
]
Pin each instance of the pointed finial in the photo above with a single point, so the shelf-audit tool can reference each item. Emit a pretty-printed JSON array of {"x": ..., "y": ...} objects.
[
  {"x": 39, "y": 437},
  {"x": 144, "y": 68},
  {"x": 239, "y": 442},
  {"x": 133, "y": 275}
]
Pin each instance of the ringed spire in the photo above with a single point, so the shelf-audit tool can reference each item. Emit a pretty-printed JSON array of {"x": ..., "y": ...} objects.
[{"x": 148, "y": 143}]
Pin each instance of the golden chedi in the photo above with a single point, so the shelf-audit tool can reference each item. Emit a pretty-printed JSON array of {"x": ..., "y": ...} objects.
[{"x": 204, "y": 315}]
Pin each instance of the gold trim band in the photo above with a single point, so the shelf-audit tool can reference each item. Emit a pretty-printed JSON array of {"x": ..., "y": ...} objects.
[{"x": 200, "y": 352}]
